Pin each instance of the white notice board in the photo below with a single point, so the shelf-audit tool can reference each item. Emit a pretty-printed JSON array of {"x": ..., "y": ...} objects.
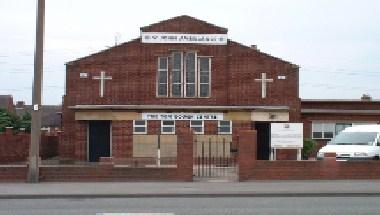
[{"x": 287, "y": 135}]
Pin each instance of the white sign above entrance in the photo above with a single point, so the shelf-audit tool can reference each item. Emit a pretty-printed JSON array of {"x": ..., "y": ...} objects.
[
  {"x": 162, "y": 37},
  {"x": 287, "y": 135},
  {"x": 182, "y": 116}
]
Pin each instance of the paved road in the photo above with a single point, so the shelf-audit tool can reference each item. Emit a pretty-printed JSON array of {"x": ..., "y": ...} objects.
[
  {"x": 194, "y": 206},
  {"x": 170, "y": 189}
]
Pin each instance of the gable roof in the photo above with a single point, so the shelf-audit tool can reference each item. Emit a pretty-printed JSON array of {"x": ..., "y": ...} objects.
[{"x": 185, "y": 24}]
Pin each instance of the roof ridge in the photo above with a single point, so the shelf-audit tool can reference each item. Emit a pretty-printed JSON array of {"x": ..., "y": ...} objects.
[
  {"x": 102, "y": 51},
  {"x": 179, "y": 17},
  {"x": 263, "y": 53}
]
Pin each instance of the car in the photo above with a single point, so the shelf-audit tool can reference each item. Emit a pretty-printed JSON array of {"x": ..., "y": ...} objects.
[{"x": 360, "y": 142}]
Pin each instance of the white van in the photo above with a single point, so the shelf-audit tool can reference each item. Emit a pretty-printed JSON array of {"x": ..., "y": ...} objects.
[{"x": 360, "y": 142}]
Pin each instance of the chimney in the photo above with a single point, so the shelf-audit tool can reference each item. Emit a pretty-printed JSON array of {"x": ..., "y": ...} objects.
[
  {"x": 254, "y": 47},
  {"x": 20, "y": 104},
  {"x": 366, "y": 97}
]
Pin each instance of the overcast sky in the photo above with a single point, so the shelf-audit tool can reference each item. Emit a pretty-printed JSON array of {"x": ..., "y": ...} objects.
[{"x": 335, "y": 42}]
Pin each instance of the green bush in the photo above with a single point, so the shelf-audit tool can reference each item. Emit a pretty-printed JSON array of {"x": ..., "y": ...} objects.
[
  {"x": 309, "y": 146},
  {"x": 12, "y": 120}
]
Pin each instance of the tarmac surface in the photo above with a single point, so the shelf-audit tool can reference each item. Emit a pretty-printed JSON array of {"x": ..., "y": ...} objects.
[{"x": 337, "y": 188}]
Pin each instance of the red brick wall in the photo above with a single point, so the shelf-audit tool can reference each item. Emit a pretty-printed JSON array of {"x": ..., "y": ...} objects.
[
  {"x": 13, "y": 173},
  {"x": 247, "y": 153},
  {"x": 107, "y": 172},
  {"x": 122, "y": 139},
  {"x": 315, "y": 170},
  {"x": 15, "y": 148},
  {"x": 185, "y": 154},
  {"x": 133, "y": 67}
]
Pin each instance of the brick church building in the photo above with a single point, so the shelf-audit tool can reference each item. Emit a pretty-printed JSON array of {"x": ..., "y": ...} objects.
[{"x": 182, "y": 73}]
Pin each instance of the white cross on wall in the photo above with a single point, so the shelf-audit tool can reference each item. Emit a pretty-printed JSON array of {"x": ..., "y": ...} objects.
[
  {"x": 102, "y": 79},
  {"x": 264, "y": 82}
]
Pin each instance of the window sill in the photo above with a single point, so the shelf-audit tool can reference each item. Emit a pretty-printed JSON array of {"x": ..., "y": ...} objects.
[
  {"x": 225, "y": 133},
  {"x": 166, "y": 97}
]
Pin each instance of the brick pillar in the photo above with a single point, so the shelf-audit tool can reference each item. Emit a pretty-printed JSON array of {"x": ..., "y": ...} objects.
[
  {"x": 330, "y": 167},
  {"x": 9, "y": 131},
  {"x": 185, "y": 154},
  {"x": 80, "y": 146},
  {"x": 122, "y": 139},
  {"x": 247, "y": 153}
]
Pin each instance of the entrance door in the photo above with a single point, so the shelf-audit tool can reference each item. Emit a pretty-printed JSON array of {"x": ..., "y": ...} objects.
[
  {"x": 99, "y": 140},
  {"x": 263, "y": 138}
]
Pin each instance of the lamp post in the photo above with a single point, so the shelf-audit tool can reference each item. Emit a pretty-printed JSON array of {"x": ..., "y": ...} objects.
[{"x": 33, "y": 173}]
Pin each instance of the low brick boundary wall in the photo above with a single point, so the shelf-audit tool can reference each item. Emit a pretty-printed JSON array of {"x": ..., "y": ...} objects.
[
  {"x": 315, "y": 170},
  {"x": 108, "y": 173},
  {"x": 13, "y": 173},
  {"x": 327, "y": 169},
  {"x": 15, "y": 147}
]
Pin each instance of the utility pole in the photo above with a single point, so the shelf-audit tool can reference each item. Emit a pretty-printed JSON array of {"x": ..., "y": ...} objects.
[{"x": 35, "y": 137}]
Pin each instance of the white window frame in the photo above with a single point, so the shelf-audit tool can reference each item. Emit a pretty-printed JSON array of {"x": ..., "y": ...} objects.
[
  {"x": 323, "y": 123},
  {"x": 323, "y": 130},
  {"x": 199, "y": 77},
  {"x": 181, "y": 73},
  {"x": 162, "y": 127},
  {"x": 140, "y": 126},
  {"x": 220, "y": 132},
  {"x": 197, "y": 126},
  {"x": 158, "y": 76},
  {"x": 195, "y": 74}
]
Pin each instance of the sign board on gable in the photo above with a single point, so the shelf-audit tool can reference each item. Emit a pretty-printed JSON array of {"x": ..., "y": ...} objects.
[
  {"x": 182, "y": 116},
  {"x": 287, "y": 135},
  {"x": 162, "y": 37}
]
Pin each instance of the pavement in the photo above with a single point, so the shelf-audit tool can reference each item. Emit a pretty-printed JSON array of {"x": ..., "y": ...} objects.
[{"x": 338, "y": 188}]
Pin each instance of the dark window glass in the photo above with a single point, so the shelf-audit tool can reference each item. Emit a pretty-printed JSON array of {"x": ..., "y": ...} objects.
[
  {"x": 176, "y": 90},
  {"x": 190, "y": 90},
  {"x": 329, "y": 135},
  {"x": 196, "y": 123},
  {"x": 225, "y": 129},
  {"x": 204, "y": 90},
  {"x": 163, "y": 63},
  {"x": 140, "y": 129},
  {"x": 224, "y": 123},
  {"x": 204, "y": 64},
  {"x": 162, "y": 79},
  {"x": 317, "y": 134},
  {"x": 140, "y": 122},
  {"x": 168, "y": 123},
  {"x": 162, "y": 89},
  {"x": 167, "y": 129},
  {"x": 176, "y": 77},
  {"x": 204, "y": 79},
  {"x": 177, "y": 61}
]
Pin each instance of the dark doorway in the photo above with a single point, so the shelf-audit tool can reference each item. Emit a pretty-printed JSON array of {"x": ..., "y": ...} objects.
[
  {"x": 263, "y": 138},
  {"x": 99, "y": 140}
]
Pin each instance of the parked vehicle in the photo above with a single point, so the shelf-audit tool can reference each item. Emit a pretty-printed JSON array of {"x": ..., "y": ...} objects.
[{"x": 360, "y": 142}]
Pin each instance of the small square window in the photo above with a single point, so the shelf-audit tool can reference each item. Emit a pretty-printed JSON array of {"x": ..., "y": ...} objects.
[
  {"x": 225, "y": 127},
  {"x": 168, "y": 127},
  {"x": 197, "y": 126},
  {"x": 139, "y": 127}
]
